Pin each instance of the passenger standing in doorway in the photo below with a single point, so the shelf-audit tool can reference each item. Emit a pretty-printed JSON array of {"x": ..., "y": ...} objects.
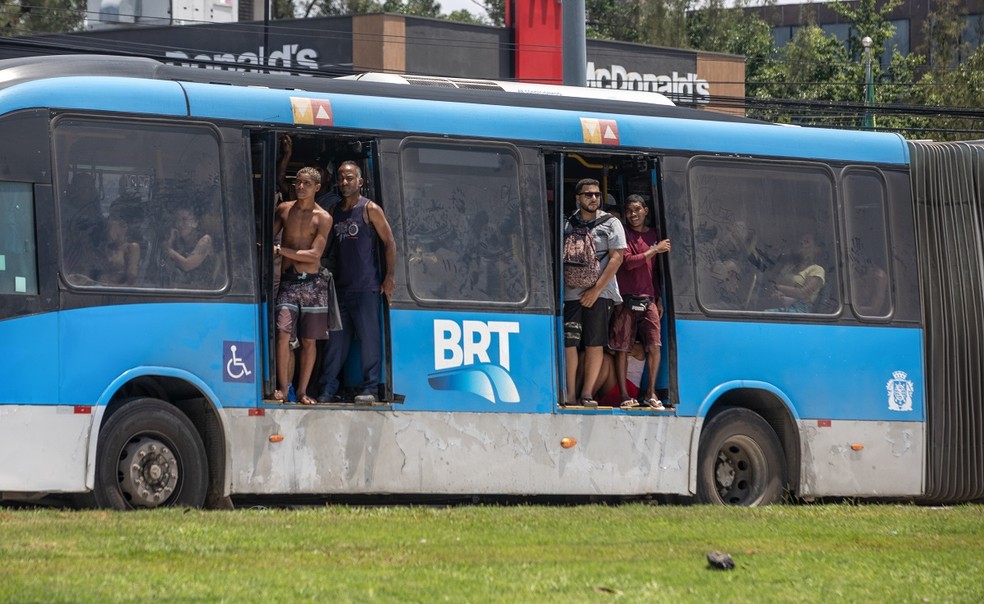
[
  {"x": 302, "y": 299},
  {"x": 358, "y": 223},
  {"x": 328, "y": 197},
  {"x": 588, "y": 309},
  {"x": 640, "y": 310}
]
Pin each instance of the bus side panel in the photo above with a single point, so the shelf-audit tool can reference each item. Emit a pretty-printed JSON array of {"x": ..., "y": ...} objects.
[
  {"x": 45, "y": 447},
  {"x": 836, "y": 372},
  {"x": 491, "y": 362},
  {"x": 384, "y": 451},
  {"x": 847, "y": 386},
  {"x": 104, "y": 345},
  {"x": 44, "y": 444},
  {"x": 888, "y": 464}
]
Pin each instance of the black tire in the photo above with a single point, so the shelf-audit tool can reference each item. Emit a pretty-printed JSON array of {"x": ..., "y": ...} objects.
[
  {"x": 740, "y": 461},
  {"x": 150, "y": 455}
]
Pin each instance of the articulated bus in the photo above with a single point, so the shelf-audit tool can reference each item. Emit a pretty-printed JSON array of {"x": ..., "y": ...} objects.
[{"x": 126, "y": 382}]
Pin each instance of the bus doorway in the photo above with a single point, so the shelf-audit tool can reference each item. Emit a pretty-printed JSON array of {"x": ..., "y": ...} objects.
[
  {"x": 277, "y": 158},
  {"x": 621, "y": 180}
]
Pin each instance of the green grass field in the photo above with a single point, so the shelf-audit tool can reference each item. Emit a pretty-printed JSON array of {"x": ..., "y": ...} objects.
[{"x": 527, "y": 553}]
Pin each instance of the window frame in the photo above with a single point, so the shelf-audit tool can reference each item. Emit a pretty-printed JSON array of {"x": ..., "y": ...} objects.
[
  {"x": 833, "y": 253},
  {"x": 423, "y": 299},
  {"x": 59, "y": 181},
  {"x": 33, "y": 252},
  {"x": 848, "y": 233}
]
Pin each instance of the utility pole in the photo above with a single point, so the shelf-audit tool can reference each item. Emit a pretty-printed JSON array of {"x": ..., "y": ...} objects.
[
  {"x": 869, "y": 86},
  {"x": 574, "y": 48}
]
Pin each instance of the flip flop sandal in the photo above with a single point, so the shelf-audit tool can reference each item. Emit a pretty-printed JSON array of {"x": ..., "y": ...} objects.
[
  {"x": 653, "y": 403},
  {"x": 629, "y": 403}
]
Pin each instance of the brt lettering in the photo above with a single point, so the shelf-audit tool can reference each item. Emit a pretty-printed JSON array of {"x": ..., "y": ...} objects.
[{"x": 468, "y": 343}]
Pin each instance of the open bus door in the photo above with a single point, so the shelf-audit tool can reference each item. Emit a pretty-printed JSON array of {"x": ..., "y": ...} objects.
[
  {"x": 619, "y": 176},
  {"x": 276, "y": 158},
  {"x": 264, "y": 147}
]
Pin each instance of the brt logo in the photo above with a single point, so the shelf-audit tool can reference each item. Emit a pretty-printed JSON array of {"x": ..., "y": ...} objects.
[{"x": 463, "y": 358}]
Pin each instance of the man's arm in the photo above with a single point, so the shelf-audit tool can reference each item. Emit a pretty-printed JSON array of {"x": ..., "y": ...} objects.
[
  {"x": 314, "y": 253},
  {"x": 382, "y": 226},
  {"x": 279, "y": 214},
  {"x": 287, "y": 149},
  {"x": 632, "y": 261},
  {"x": 590, "y": 295}
]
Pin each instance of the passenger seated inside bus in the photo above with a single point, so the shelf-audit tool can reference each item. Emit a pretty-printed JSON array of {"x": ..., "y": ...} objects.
[
  {"x": 85, "y": 231},
  {"x": 798, "y": 286},
  {"x": 114, "y": 261},
  {"x": 190, "y": 260},
  {"x": 740, "y": 244}
]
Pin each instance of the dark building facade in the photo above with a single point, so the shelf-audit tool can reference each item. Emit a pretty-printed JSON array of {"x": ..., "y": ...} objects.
[{"x": 911, "y": 20}]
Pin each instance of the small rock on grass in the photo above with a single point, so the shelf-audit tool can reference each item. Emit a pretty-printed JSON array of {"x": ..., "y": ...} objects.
[{"x": 720, "y": 561}]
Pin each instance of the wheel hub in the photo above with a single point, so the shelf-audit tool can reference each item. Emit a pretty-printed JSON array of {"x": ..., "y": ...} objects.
[
  {"x": 148, "y": 472},
  {"x": 734, "y": 473}
]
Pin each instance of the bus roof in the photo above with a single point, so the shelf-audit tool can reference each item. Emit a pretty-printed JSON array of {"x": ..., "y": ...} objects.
[
  {"x": 34, "y": 68},
  {"x": 580, "y": 92}
]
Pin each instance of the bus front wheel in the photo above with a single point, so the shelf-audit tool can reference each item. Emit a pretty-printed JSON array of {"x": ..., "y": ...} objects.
[
  {"x": 740, "y": 461},
  {"x": 150, "y": 455}
]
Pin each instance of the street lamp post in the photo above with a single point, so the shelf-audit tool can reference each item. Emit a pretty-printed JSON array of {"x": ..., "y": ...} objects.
[{"x": 869, "y": 86}]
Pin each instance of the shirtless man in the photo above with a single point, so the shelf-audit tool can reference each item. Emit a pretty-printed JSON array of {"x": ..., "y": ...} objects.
[{"x": 302, "y": 301}]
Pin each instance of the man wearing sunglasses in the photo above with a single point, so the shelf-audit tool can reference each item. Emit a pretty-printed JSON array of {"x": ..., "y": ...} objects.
[{"x": 588, "y": 310}]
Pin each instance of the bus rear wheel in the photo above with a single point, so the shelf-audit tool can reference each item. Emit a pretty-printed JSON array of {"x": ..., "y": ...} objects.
[
  {"x": 740, "y": 461},
  {"x": 150, "y": 455}
]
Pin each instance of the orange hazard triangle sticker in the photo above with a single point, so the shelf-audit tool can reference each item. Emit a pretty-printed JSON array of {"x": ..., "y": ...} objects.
[
  {"x": 599, "y": 132},
  {"x": 314, "y": 112},
  {"x": 609, "y": 131}
]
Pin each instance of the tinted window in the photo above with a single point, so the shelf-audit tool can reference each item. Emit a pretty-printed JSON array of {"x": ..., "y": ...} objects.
[
  {"x": 462, "y": 219},
  {"x": 867, "y": 243},
  {"x": 139, "y": 205},
  {"x": 18, "y": 248},
  {"x": 765, "y": 237}
]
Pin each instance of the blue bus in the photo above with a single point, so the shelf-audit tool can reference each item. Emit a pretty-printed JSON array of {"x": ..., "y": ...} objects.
[{"x": 130, "y": 383}]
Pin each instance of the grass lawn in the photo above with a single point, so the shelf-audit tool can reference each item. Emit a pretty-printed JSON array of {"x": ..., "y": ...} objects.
[{"x": 528, "y": 553}]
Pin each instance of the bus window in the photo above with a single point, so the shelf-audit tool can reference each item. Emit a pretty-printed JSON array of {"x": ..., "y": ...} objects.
[
  {"x": 140, "y": 205},
  {"x": 18, "y": 257},
  {"x": 867, "y": 236},
  {"x": 765, "y": 236},
  {"x": 462, "y": 219}
]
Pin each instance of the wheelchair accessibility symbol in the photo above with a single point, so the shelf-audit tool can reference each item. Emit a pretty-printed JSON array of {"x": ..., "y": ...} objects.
[{"x": 238, "y": 361}]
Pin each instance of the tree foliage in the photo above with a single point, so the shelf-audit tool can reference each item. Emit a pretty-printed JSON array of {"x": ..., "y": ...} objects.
[{"x": 20, "y": 17}]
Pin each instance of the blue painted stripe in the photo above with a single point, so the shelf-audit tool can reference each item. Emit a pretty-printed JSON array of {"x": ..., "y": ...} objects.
[
  {"x": 125, "y": 95},
  {"x": 519, "y": 123},
  {"x": 78, "y": 357}
]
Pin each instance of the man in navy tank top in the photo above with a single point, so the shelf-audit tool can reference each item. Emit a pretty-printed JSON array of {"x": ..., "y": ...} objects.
[{"x": 357, "y": 222}]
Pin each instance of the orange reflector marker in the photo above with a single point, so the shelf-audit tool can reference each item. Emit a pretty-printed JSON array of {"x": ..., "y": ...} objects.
[
  {"x": 857, "y": 446},
  {"x": 276, "y": 438},
  {"x": 567, "y": 442}
]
